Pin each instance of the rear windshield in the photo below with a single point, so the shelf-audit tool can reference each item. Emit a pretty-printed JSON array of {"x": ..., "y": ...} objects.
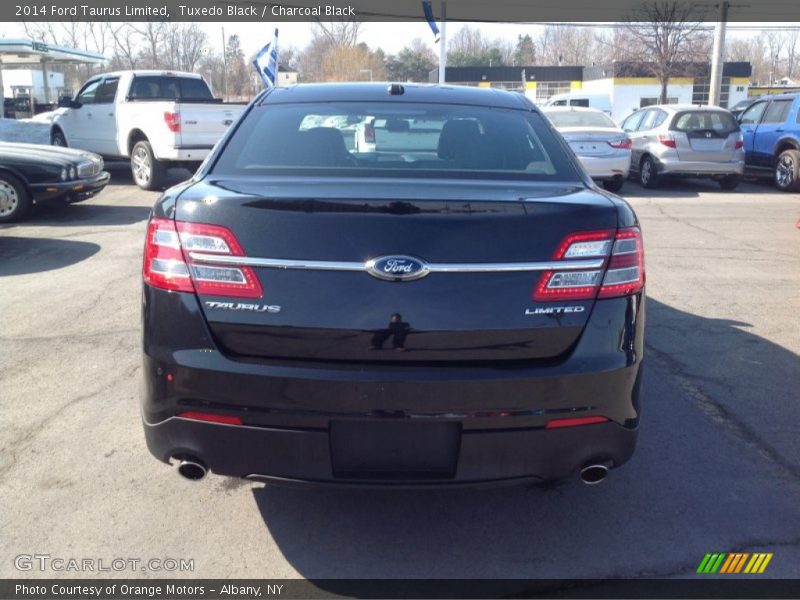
[
  {"x": 696, "y": 121},
  {"x": 166, "y": 87},
  {"x": 395, "y": 139},
  {"x": 576, "y": 118}
]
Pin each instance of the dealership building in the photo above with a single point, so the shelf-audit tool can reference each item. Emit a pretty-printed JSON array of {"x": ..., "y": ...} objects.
[{"x": 628, "y": 85}]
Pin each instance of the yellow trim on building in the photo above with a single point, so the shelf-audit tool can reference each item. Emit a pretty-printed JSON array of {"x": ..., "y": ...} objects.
[
  {"x": 530, "y": 85},
  {"x": 740, "y": 81},
  {"x": 652, "y": 81},
  {"x": 484, "y": 84},
  {"x": 575, "y": 85}
]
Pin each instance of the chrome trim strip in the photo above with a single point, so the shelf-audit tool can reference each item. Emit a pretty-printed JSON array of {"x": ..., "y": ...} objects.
[{"x": 324, "y": 265}]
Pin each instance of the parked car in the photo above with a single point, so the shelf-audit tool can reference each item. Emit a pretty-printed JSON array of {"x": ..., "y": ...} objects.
[
  {"x": 469, "y": 311},
  {"x": 602, "y": 147},
  {"x": 157, "y": 119},
  {"x": 674, "y": 140},
  {"x": 600, "y": 102},
  {"x": 741, "y": 106},
  {"x": 771, "y": 128},
  {"x": 34, "y": 174}
]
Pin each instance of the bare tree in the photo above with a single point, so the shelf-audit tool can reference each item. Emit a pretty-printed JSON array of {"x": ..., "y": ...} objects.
[
  {"x": 664, "y": 35},
  {"x": 792, "y": 50},
  {"x": 154, "y": 34},
  {"x": 338, "y": 34},
  {"x": 126, "y": 41},
  {"x": 567, "y": 45},
  {"x": 183, "y": 46}
]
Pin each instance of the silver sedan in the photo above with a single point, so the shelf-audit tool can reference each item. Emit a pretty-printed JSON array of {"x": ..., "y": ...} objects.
[{"x": 602, "y": 147}]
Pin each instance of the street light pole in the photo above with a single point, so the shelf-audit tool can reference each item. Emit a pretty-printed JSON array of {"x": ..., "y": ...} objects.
[
  {"x": 443, "y": 44},
  {"x": 717, "y": 58}
]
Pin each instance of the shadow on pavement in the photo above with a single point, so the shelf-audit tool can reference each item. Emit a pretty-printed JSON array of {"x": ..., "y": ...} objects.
[
  {"x": 82, "y": 214},
  {"x": 696, "y": 484},
  {"x": 19, "y": 255},
  {"x": 121, "y": 174}
]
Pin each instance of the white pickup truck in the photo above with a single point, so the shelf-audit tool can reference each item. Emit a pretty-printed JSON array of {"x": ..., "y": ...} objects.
[{"x": 158, "y": 119}]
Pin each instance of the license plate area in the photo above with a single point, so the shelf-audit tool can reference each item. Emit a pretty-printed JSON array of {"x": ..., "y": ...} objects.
[{"x": 394, "y": 450}]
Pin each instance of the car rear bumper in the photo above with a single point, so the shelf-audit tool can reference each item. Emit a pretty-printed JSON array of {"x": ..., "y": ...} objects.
[
  {"x": 607, "y": 167},
  {"x": 72, "y": 191},
  {"x": 700, "y": 168},
  {"x": 307, "y": 456},
  {"x": 184, "y": 153},
  {"x": 293, "y": 413}
]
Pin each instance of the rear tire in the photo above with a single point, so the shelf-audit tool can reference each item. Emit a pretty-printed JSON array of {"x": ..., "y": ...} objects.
[
  {"x": 614, "y": 185},
  {"x": 57, "y": 139},
  {"x": 730, "y": 182},
  {"x": 147, "y": 171},
  {"x": 787, "y": 171},
  {"x": 15, "y": 201},
  {"x": 648, "y": 177}
]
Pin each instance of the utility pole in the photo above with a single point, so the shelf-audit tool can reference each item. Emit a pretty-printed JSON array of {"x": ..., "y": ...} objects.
[
  {"x": 718, "y": 55},
  {"x": 224, "y": 68},
  {"x": 443, "y": 44}
]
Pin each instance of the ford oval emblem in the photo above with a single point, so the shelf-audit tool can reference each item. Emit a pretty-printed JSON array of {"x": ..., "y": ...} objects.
[{"x": 397, "y": 268}]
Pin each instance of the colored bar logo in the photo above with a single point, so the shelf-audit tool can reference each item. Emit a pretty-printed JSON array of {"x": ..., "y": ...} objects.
[{"x": 734, "y": 562}]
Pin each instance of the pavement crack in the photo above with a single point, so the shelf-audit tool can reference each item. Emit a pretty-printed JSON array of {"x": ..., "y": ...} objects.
[{"x": 721, "y": 415}]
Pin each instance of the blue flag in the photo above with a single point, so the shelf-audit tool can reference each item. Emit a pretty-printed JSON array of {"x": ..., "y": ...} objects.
[
  {"x": 428, "y": 8},
  {"x": 266, "y": 63}
]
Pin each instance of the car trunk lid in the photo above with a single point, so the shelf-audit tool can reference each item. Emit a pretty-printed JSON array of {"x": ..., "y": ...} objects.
[
  {"x": 315, "y": 237},
  {"x": 707, "y": 136}
]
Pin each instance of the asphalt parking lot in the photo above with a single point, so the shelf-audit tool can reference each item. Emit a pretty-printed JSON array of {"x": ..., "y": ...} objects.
[{"x": 717, "y": 467}]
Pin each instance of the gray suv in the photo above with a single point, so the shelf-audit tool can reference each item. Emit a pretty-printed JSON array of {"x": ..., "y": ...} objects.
[{"x": 686, "y": 141}]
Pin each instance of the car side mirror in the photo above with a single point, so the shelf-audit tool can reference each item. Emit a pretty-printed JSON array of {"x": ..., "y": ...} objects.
[{"x": 64, "y": 102}]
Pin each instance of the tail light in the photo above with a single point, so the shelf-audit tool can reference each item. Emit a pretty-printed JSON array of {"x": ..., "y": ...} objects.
[
  {"x": 667, "y": 140},
  {"x": 168, "y": 263},
  {"x": 212, "y": 418},
  {"x": 574, "y": 422},
  {"x": 173, "y": 121},
  {"x": 369, "y": 133},
  {"x": 621, "y": 275},
  {"x": 739, "y": 142},
  {"x": 621, "y": 143},
  {"x": 625, "y": 273}
]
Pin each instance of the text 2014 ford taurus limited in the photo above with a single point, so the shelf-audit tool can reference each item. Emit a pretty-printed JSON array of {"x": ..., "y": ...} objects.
[{"x": 457, "y": 304}]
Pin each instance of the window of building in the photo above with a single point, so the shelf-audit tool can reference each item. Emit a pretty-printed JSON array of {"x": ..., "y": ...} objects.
[
  {"x": 650, "y": 101},
  {"x": 546, "y": 89},
  {"x": 702, "y": 85}
]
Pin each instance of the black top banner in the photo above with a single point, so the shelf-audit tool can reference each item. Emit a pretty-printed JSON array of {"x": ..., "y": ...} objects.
[{"x": 786, "y": 12}]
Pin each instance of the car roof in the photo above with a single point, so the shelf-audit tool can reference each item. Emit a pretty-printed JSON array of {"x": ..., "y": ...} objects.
[
  {"x": 784, "y": 96},
  {"x": 553, "y": 109},
  {"x": 143, "y": 72},
  {"x": 674, "y": 108},
  {"x": 412, "y": 92}
]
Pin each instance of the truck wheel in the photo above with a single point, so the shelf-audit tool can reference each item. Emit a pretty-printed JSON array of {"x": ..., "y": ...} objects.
[
  {"x": 15, "y": 202},
  {"x": 648, "y": 177},
  {"x": 787, "y": 171},
  {"x": 147, "y": 171},
  {"x": 730, "y": 182},
  {"x": 57, "y": 138}
]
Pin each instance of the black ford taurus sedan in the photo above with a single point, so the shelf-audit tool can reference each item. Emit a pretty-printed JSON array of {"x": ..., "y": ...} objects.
[
  {"x": 32, "y": 174},
  {"x": 457, "y": 303}
]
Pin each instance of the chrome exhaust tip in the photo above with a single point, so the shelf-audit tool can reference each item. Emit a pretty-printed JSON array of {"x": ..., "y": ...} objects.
[
  {"x": 593, "y": 474},
  {"x": 193, "y": 470}
]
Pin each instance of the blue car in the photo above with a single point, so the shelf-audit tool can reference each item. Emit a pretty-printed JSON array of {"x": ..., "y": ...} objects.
[{"x": 771, "y": 129}]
